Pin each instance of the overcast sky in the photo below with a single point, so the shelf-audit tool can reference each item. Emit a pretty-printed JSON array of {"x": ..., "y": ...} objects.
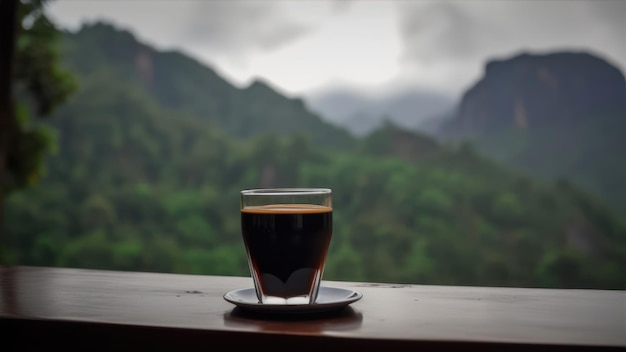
[{"x": 303, "y": 47}]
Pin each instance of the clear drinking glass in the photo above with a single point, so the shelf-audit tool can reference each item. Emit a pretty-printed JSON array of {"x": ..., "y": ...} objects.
[{"x": 287, "y": 232}]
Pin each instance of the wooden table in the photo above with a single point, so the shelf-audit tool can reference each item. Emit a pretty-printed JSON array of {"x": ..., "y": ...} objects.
[{"x": 77, "y": 309}]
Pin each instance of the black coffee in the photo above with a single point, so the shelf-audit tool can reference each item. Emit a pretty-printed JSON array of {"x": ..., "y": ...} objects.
[{"x": 287, "y": 246}]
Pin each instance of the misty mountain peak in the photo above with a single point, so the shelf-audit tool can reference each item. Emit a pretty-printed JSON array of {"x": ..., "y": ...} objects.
[
  {"x": 531, "y": 91},
  {"x": 560, "y": 115}
]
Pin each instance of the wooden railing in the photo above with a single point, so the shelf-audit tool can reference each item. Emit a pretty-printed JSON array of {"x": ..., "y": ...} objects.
[{"x": 87, "y": 310}]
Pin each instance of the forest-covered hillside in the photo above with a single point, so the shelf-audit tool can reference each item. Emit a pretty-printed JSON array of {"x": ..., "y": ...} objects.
[{"x": 150, "y": 164}]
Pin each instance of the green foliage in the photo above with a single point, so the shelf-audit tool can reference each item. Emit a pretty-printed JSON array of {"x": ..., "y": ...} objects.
[
  {"x": 180, "y": 83},
  {"x": 41, "y": 84},
  {"x": 140, "y": 183}
]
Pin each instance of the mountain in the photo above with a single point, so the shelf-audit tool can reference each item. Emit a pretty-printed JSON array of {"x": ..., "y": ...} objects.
[
  {"x": 363, "y": 112},
  {"x": 181, "y": 83},
  {"x": 391, "y": 140},
  {"x": 148, "y": 181},
  {"x": 558, "y": 115}
]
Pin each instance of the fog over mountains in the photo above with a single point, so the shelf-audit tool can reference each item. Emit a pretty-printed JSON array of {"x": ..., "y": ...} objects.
[
  {"x": 154, "y": 148},
  {"x": 362, "y": 112},
  {"x": 560, "y": 115}
]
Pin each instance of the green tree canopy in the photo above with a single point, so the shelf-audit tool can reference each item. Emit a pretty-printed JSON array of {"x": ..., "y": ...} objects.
[{"x": 36, "y": 86}]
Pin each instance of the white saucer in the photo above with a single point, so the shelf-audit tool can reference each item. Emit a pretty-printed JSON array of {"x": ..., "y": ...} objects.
[{"x": 328, "y": 299}]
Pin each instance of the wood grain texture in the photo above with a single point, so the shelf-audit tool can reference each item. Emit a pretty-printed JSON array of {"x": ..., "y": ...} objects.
[{"x": 44, "y": 307}]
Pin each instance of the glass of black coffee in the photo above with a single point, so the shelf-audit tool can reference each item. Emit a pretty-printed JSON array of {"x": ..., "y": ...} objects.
[{"x": 287, "y": 232}]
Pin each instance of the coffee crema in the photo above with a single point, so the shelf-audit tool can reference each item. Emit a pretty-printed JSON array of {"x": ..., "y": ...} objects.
[{"x": 287, "y": 246}]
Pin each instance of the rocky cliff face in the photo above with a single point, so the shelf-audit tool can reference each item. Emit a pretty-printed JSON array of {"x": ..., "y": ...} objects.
[
  {"x": 560, "y": 115},
  {"x": 535, "y": 92}
]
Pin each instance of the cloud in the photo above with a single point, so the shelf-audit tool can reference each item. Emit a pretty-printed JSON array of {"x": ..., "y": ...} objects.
[
  {"x": 612, "y": 13},
  {"x": 437, "y": 31},
  {"x": 217, "y": 28},
  {"x": 456, "y": 38},
  {"x": 457, "y": 30},
  {"x": 235, "y": 28},
  {"x": 442, "y": 44},
  {"x": 341, "y": 6}
]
